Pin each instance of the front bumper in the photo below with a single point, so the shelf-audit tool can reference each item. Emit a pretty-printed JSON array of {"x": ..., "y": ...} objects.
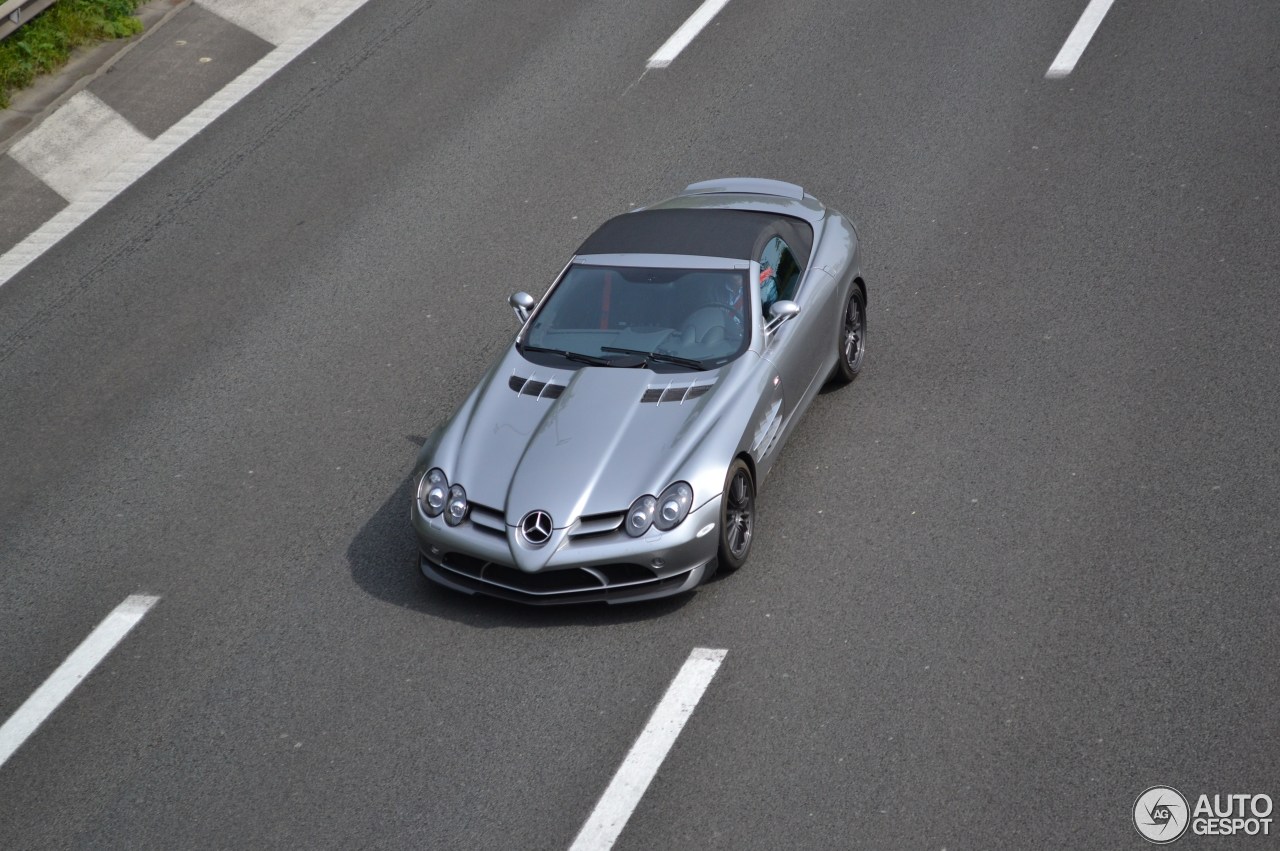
[{"x": 607, "y": 567}]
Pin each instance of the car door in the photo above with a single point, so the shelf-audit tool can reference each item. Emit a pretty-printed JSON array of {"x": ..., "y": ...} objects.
[{"x": 798, "y": 346}]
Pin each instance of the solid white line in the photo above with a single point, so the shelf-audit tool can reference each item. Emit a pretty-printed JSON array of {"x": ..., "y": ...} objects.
[
  {"x": 149, "y": 156},
  {"x": 1075, "y": 44},
  {"x": 77, "y": 666},
  {"x": 688, "y": 32},
  {"x": 607, "y": 820}
]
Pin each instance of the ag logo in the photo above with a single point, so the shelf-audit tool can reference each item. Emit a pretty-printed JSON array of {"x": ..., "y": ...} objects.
[{"x": 1161, "y": 815}]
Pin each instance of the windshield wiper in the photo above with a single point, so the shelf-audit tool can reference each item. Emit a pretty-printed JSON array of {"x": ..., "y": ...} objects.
[
  {"x": 578, "y": 356},
  {"x": 658, "y": 356}
]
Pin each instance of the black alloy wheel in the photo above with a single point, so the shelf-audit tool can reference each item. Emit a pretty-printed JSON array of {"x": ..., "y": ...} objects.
[
  {"x": 853, "y": 337},
  {"x": 737, "y": 517}
]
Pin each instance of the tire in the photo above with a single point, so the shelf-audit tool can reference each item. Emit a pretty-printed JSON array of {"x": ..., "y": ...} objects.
[
  {"x": 737, "y": 517},
  {"x": 851, "y": 343}
]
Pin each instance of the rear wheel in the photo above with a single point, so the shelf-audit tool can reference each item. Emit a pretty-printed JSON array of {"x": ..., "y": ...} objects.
[
  {"x": 737, "y": 517},
  {"x": 852, "y": 342}
]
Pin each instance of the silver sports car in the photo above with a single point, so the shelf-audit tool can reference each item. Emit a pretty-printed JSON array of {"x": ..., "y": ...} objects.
[{"x": 615, "y": 450}]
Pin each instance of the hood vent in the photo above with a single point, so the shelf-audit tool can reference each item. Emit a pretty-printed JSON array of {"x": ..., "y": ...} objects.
[
  {"x": 537, "y": 389},
  {"x": 674, "y": 393}
]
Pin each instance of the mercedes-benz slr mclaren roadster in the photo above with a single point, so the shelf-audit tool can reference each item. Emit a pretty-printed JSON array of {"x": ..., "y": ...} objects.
[{"x": 615, "y": 450}]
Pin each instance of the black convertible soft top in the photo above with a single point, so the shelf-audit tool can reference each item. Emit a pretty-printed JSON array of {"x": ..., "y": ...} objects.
[{"x": 736, "y": 234}]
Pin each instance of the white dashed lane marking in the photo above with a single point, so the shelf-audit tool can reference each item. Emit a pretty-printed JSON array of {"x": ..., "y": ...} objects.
[
  {"x": 628, "y": 786},
  {"x": 63, "y": 681},
  {"x": 1075, "y": 44},
  {"x": 688, "y": 32}
]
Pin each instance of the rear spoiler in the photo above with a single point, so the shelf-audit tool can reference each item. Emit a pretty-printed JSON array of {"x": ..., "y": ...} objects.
[{"x": 746, "y": 186}]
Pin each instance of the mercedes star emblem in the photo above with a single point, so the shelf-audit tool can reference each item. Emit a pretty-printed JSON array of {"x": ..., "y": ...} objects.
[{"x": 536, "y": 527}]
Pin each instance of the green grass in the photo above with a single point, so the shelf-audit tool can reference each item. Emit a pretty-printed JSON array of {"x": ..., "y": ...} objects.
[{"x": 45, "y": 42}]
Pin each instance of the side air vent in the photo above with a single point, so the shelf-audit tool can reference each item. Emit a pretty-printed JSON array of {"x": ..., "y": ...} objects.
[
  {"x": 681, "y": 393},
  {"x": 537, "y": 389},
  {"x": 695, "y": 391}
]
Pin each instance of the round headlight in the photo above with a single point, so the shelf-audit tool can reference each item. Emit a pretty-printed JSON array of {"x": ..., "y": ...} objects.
[
  {"x": 456, "y": 509},
  {"x": 674, "y": 505},
  {"x": 433, "y": 491},
  {"x": 640, "y": 516}
]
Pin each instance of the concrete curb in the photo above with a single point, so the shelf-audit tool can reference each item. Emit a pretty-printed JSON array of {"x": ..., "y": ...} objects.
[
  {"x": 101, "y": 132},
  {"x": 32, "y": 105}
]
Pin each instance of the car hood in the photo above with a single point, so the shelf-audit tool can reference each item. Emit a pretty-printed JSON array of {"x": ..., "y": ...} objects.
[{"x": 593, "y": 449}]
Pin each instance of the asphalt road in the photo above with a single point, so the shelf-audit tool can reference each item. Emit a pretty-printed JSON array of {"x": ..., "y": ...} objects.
[{"x": 1022, "y": 569}]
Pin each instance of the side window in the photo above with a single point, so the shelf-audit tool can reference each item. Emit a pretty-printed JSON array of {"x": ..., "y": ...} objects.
[
  {"x": 788, "y": 275},
  {"x": 779, "y": 273}
]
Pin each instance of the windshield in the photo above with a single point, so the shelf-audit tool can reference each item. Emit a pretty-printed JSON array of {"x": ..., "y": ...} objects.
[{"x": 688, "y": 318}]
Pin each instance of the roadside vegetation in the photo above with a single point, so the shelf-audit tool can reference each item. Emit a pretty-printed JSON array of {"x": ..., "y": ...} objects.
[{"x": 45, "y": 42}]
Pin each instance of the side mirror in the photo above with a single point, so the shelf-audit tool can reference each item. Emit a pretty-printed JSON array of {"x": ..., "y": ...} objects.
[
  {"x": 781, "y": 312},
  {"x": 522, "y": 303}
]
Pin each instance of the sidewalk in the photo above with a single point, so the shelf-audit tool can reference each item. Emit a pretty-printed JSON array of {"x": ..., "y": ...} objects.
[{"x": 71, "y": 130}]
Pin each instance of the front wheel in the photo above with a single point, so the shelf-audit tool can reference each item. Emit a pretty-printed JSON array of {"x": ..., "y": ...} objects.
[
  {"x": 852, "y": 343},
  {"x": 737, "y": 517}
]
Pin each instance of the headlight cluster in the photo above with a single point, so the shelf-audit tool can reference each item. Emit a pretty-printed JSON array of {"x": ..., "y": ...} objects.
[
  {"x": 437, "y": 497},
  {"x": 666, "y": 512}
]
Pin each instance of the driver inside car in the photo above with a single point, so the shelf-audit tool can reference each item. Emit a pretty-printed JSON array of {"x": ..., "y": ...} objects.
[
  {"x": 770, "y": 259},
  {"x": 718, "y": 319}
]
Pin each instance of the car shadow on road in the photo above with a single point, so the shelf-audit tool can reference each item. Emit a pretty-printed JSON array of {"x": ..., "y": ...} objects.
[{"x": 383, "y": 558}]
